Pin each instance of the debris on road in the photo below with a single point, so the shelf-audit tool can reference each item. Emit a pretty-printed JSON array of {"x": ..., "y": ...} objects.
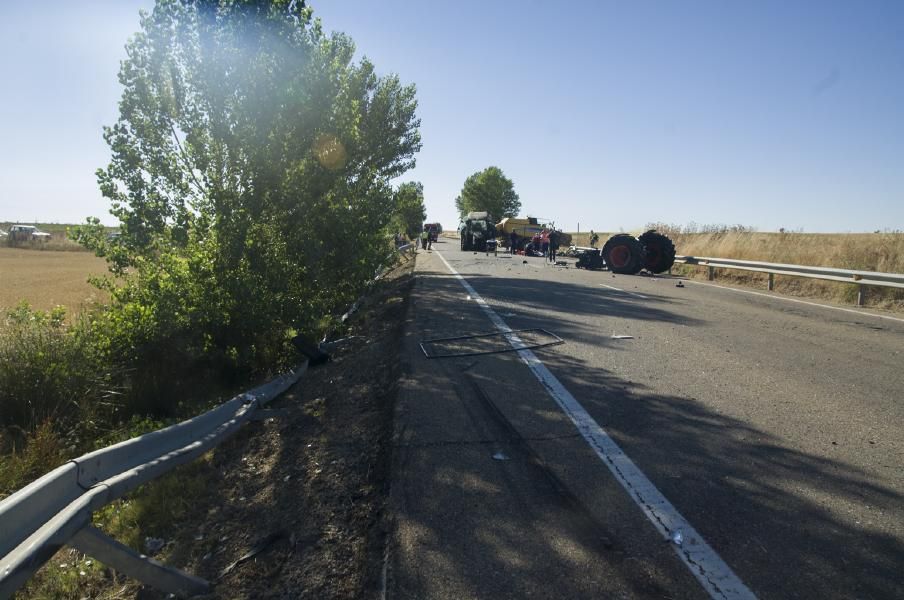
[
  {"x": 679, "y": 284},
  {"x": 501, "y": 456},
  {"x": 488, "y": 343},
  {"x": 622, "y": 337},
  {"x": 678, "y": 537}
]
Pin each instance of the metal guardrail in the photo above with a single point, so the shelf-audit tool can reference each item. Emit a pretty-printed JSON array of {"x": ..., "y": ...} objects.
[
  {"x": 56, "y": 509},
  {"x": 860, "y": 278}
]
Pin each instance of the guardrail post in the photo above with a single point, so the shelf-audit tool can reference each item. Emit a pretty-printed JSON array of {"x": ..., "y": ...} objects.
[
  {"x": 710, "y": 273},
  {"x": 771, "y": 284},
  {"x": 861, "y": 295},
  {"x": 105, "y": 549}
]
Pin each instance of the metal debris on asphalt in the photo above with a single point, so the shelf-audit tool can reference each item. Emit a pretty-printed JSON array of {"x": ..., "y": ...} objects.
[
  {"x": 678, "y": 537},
  {"x": 500, "y": 456},
  {"x": 496, "y": 342},
  {"x": 622, "y": 337}
]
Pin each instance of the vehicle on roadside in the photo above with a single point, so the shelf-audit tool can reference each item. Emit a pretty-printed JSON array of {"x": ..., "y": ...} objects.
[
  {"x": 27, "y": 233},
  {"x": 433, "y": 230}
]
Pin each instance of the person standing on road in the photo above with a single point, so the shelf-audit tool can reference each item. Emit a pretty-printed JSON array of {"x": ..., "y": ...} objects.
[
  {"x": 513, "y": 241},
  {"x": 424, "y": 237},
  {"x": 553, "y": 245}
]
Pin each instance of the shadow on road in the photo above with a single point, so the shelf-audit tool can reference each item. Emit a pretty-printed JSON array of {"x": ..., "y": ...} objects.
[{"x": 777, "y": 515}]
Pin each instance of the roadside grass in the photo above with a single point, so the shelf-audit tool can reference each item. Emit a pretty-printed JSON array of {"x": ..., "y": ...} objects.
[{"x": 859, "y": 251}]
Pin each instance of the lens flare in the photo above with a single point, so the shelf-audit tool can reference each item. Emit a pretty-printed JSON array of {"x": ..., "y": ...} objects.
[{"x": 329, "y": 151}]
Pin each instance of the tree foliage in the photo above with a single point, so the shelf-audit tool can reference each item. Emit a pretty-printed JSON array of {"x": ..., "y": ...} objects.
[
  {"x": 410, "y": 211},
  {"x": 489, "y": 190},
  {"x": 250, "y": 175}
]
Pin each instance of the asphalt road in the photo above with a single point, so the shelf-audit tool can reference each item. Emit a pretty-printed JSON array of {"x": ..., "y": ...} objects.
[{"x": 775, "y": 428}]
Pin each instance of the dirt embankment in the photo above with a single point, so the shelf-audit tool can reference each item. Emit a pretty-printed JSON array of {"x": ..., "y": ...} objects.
[{"x": 292, "y": 506}]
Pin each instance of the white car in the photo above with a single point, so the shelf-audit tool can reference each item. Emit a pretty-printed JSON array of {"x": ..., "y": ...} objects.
[{"x": 25, "y": 233}]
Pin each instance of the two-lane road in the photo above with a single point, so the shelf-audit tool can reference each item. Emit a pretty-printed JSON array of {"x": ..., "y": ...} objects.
[{"x": 775, "y": 428}]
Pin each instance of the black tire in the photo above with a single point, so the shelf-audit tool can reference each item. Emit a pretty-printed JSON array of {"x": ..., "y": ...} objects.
[
  {"x": 623, "y": 254},
  {"x": 660, "y": 251},
  {"x": 463, "y": 241}
]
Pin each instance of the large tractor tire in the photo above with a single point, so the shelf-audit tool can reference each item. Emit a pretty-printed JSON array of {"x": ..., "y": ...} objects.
[
  {"x": 660, "y": 251},
  {"x": 623, "y": 254}
]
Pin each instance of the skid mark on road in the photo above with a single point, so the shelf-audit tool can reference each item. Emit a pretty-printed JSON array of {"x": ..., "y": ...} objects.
[{"x": 708, "y": 567}]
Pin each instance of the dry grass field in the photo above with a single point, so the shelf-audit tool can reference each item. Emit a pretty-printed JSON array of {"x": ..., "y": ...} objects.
[{"x": 46, "y": 278}]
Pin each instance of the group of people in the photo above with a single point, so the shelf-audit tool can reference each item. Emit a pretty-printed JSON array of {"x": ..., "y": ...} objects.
[{"x": 547, "y": 248}]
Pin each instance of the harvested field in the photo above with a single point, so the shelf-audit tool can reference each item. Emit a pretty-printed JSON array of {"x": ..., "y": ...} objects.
[{"x": 46, "y": 278}]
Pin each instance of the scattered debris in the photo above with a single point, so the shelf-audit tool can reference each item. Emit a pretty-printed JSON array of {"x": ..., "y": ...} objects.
[
  {"x": 501, "y": 456},
  {"x": 153, "y": 545},
  {"x": 622, "y": 337},
  {"x": 257, "y": 549},
  {"x": 495, "y": 343},
  {"x": 677, "y": 537},
  {"x": 679, "y": 284}
]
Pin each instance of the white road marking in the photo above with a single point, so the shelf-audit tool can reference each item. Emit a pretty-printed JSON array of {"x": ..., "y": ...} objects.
[
  {"x": 786, "y": 299},
  {"x": 710, "y": 570},
  {"x": 623, "y": 291}
]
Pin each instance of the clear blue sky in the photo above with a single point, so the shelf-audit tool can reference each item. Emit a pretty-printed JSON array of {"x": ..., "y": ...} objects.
[{"x": 611, "y": 114}]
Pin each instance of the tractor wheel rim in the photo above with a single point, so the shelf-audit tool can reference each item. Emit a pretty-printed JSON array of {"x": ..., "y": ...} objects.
[{"x": 620, "y": 256}]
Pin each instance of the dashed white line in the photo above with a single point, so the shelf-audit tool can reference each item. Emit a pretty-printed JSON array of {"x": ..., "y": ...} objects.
[
  {"x": 786, "y": 299},
  {"x": 708, "y": 567}
]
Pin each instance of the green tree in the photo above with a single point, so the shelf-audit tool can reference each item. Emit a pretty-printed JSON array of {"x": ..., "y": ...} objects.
[
  {"x": 489, "y": 190},
  {"x": 250, "y": 174},
  {"x": 409, "y": 208}
]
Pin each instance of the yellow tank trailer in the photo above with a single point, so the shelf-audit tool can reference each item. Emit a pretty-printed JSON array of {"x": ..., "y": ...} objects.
[{"x": 527, "y": 229}]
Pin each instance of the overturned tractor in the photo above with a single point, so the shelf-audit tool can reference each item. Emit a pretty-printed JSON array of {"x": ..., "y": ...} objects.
[{"x": 623, "y": 253}]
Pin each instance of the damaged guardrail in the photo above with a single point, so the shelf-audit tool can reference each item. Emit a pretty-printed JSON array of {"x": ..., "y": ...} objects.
[
  {"x": 56, "y": 509},
  {"x": 860, "y": 278}
]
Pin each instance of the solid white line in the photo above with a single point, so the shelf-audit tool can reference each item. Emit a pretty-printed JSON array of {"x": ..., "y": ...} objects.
[
  {"x": 623, "y": 291},
  {"x": 710, "y": 570},
  {"x": 786, "y": 299}
]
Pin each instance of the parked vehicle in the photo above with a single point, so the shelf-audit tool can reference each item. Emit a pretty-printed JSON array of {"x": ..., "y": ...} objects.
[
  {"x": 475, "y": 230},
  {"x": 433, "y": 230},
  {"x": 27, "y": 233}
]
